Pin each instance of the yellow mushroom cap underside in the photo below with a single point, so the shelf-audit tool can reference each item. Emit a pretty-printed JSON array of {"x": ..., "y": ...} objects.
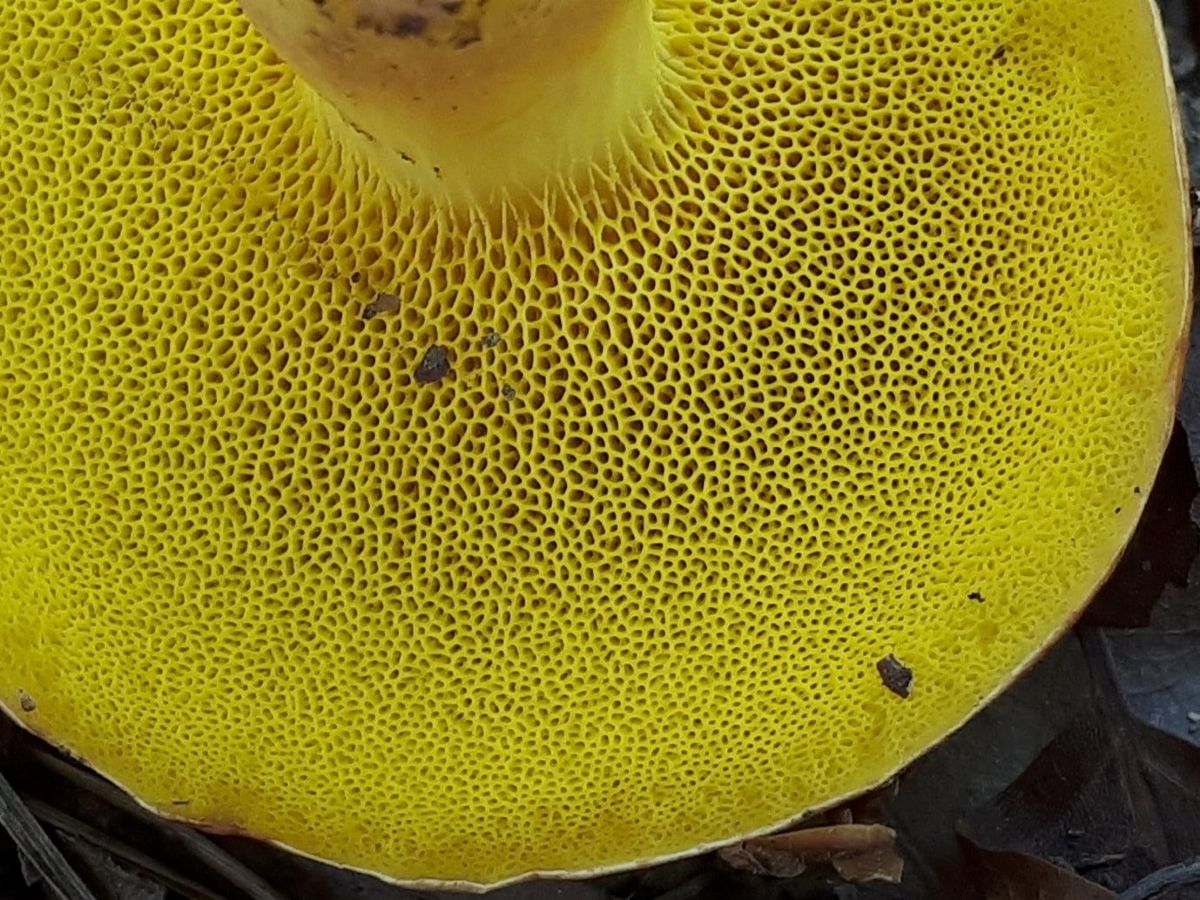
[{"x": 872, "y": 355}]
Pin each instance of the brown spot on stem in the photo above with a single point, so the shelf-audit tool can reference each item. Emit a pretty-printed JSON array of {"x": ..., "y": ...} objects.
[{"x": 404, "y": 25}]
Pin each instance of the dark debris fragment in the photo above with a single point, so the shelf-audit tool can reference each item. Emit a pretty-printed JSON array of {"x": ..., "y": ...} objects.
[
  {"x": 434, "y": 365},
  {"x": 897, "y": 677}
]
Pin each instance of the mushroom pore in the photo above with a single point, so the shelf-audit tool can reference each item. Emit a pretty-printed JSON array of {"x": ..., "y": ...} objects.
[{"x": 462, "y": 440}]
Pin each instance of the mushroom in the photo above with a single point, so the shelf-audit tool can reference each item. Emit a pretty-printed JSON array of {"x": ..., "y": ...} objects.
[{"x": 835, "y": 334}]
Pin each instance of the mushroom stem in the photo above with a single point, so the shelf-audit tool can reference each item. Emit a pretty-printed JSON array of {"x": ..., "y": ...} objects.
[{"x": 474, "y": 99}]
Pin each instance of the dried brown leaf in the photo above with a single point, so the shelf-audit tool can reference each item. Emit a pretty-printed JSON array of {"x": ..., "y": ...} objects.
[
  {"x": 1007, "y": 875},
  {"x": 746, "y": 857},
  {"x": 856, "y": 852},
  {"x": 1108, "y": 801},
  {"x": 882, "y": 864}
]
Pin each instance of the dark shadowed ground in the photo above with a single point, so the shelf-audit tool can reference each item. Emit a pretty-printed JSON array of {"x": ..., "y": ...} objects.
[{"x": 1082, "y": 782}]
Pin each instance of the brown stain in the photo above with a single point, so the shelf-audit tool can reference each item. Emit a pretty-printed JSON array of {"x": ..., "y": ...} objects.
[
  {"x": 449, "y": 23},
  {"x": 404, "y": 25}
]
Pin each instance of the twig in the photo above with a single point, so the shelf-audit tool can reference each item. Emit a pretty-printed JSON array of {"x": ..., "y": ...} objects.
[
  {"x": 38, "y": 849},
  {"x": 225, "y": 865},
  {"x": 69, "y": 825},
  {"x": 1157, "y": 882}
]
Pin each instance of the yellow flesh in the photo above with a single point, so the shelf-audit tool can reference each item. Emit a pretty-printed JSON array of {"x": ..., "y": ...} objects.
[{"x": 894, "y": 320}]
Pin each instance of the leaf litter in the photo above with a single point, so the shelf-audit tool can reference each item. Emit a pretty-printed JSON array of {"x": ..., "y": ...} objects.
[{"x": 1110, "y": 801}]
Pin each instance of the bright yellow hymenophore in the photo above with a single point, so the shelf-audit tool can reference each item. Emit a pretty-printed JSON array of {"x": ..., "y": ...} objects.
[{"x": 472, "y": 441}]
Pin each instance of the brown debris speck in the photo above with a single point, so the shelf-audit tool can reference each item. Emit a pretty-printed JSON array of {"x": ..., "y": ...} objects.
[
  {"x": 434, "y": 365},
  {"x": 857, "y": 852},
  {"x": 897, "y": 677},
  {"x": 383, "y": 303},
  {"x": 490, "y": 340},
  {"x": 28, "y": 704}
]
